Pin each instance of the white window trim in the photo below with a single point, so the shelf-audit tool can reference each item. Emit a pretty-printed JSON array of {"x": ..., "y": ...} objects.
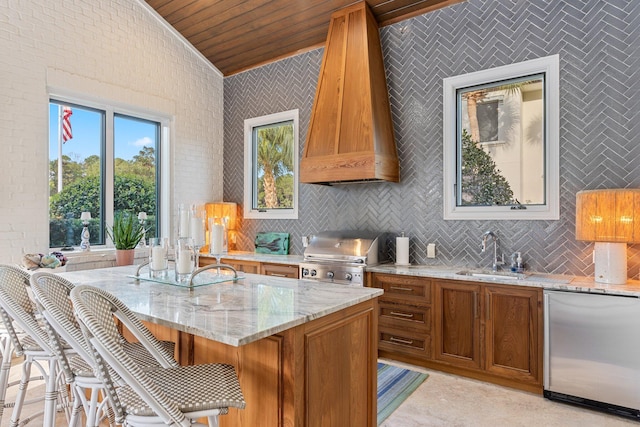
[
  {"x": 249, "y": 124},
  {"x": 110, "y": 107},
  {"x": 551, "y": 211}
]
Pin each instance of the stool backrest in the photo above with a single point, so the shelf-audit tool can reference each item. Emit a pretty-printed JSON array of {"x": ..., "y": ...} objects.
[
  {"x": 18, "y": 308},
  {"x": 95, "y": 310},
  {"x": 51, "y": 294}
]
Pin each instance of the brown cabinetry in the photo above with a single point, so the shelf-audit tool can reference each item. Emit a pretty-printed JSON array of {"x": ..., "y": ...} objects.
[
  {"x": 490, "y": 332},
  {"x": 321, "y": 373},
  {"x": 279, "y": 270},
  {"x": 252, "y": 267},
  {"x": 457, "y": 323},
  {"x": 484, "y": 331},
  {"x": 513, "y": 332},
  {"x": 404, "y": 315},
  {"x": 256, "y": 267}
]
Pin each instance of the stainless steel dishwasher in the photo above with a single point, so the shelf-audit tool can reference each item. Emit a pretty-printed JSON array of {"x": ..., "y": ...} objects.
[{"x": 592, "y": 351}]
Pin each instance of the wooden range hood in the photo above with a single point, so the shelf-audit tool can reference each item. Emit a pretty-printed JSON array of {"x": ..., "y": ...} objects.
[{"x": 350, "y": 135}]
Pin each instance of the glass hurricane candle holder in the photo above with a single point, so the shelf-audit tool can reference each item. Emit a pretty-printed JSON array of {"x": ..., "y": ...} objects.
[
  {"x": 183, "y": 221},
  {"x": 158, "y": 257},
  {"x": 218, "y": 243},
  {"x": 185, "y": 259},
  {"x": 198, "y": 228}
]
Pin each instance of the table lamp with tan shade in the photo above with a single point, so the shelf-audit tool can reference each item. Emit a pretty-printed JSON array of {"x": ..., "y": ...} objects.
[{"x": 611, "y": 219}]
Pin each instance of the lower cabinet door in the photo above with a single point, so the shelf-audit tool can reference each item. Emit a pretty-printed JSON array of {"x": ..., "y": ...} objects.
[
  {"x": 513, "y": 318},
  {"x": 457, "y": 324}
]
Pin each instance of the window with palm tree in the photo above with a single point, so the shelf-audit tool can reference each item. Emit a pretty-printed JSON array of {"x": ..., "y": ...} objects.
[
  {"x": 271, "y": 166},
  {"x": 501, "y": 142}
]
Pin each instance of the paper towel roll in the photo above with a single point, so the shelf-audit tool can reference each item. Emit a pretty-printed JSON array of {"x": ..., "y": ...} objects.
[{"x": 402, "y": 250}]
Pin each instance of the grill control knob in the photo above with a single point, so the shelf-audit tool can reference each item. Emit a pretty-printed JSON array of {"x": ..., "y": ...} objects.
[
  {"x": 305, "y": 272},
  {"x": 348, "y": 276},
  {"x": 330, "y": 274},
  {"x": 313, "y": 273}
]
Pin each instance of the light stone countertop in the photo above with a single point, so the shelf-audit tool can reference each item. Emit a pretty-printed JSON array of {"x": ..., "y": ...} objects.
[
  {"x": 237, "y": 313},
  {"x": 256, "y": 257},
  {"x": 532, "y": 279}
]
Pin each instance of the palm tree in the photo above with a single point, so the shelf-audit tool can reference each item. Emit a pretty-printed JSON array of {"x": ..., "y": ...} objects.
[
  {"x": 275, "y": 158},
  {"x": 472, "y": 111}
]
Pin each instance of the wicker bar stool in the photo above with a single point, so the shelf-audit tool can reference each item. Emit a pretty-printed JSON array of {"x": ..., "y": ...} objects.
[
  {"x": 176, "y": 395},
  {"x": 6, "y": 348},
  {"x": 51, "y": 294},
  {"x": 30, "y": 340}
]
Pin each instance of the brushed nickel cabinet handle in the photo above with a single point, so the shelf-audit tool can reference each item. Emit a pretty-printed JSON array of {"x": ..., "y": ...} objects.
[
  {"x": 406, "y": 315},
  {"x": 401, "y": 341},
  {"x": 277, "y": 275},
  {"x": 398, "y": 288}
]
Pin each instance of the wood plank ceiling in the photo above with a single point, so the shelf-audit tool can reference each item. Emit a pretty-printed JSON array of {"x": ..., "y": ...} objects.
[{"x": 237, "y": 35}]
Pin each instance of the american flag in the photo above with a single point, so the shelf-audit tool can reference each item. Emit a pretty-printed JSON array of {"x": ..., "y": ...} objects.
[{"x": 66, "y": 123}]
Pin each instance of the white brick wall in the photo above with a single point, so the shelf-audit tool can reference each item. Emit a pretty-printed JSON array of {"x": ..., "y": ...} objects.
[{"x": 117, "y": 51}]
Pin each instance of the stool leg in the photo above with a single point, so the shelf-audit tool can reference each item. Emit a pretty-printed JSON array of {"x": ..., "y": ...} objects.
[
  {"x": 77, "y": 406},
  {"x": 22, "y": 391},
  {"x": 51, "y": 394},
  {"x": 5, "y": 342}
]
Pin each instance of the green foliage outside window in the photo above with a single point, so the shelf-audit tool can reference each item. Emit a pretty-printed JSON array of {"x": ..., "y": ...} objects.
[
  {"x": 134, "y": 191},
  {"x": 482, "y": 183}
]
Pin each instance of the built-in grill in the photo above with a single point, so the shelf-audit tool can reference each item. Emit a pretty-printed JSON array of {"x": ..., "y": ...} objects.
[{"x": 341, "y": 256}]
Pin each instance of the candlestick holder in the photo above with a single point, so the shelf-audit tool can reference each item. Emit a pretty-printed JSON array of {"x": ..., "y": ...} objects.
[
  {"x": 142, "y": 218},
  {"x": 85, "y": 236}
]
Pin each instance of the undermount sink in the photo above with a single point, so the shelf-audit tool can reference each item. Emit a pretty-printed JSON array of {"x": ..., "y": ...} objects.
[{"x": 493, "y": 275}]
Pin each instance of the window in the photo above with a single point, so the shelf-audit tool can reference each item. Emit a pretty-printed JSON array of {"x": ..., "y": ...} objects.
[
  {"x": 488, "y": 121},
  {"x": 101, "y": 161},
  {"x": 271, "y": 166},
  {"x": 501, "y": 142}
]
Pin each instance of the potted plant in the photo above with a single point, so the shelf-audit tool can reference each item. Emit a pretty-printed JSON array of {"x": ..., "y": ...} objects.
[{"x": 125, "y": 234}]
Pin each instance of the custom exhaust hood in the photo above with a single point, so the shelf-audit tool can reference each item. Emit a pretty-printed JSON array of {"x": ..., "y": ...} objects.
[{"x": 350, "y": 136}]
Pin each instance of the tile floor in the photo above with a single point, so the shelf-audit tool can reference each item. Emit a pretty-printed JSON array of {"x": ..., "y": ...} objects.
[{"x": 452, "y": 401}]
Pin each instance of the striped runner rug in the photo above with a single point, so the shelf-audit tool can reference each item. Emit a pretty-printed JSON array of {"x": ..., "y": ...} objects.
[{"x": 394, "y": 386}]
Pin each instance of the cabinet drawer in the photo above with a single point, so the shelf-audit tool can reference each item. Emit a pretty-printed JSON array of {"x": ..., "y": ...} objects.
[
  {"x": 403, "y": 316},
  {"x": 280, "y": 270},
  {"x": 406, "y": 342},
  {"x": 404, "y": 288},
  {"x": 252, "y": 267}
]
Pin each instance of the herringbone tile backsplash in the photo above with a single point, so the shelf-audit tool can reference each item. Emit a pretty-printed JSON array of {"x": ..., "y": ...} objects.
[{"x": 599, "y": 47}]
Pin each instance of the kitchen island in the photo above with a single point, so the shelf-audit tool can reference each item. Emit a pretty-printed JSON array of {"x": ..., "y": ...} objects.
[{"x": 305, "y": 352}]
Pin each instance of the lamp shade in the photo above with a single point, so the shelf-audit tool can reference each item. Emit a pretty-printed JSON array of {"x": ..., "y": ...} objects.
[
  {"x": 608, "y": 215},
  {"x": 222, "y": 210},
  {"x": 85, "y": 216}
]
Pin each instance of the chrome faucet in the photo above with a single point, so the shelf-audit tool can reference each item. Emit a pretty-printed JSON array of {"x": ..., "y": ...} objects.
[{"x": 496, "y": 262}]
